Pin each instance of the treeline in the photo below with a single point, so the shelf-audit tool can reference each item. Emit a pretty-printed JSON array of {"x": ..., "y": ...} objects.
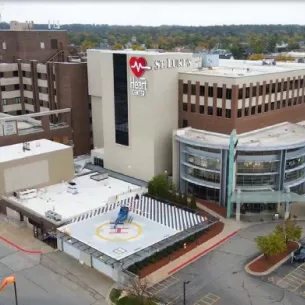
[{"x": 236, "y": 38}]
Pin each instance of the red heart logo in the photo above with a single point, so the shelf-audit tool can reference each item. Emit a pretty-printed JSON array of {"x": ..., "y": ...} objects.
[{"x": 137, "y": 66}]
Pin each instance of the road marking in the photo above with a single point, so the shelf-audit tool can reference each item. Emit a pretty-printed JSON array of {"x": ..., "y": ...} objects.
[
  {"x": 208, "y": 299},
  {"x": 163, "y": 285},
  {"x": 293, "y": 280},
  {"x": 271, "y": 279},
  {"x": 178, "y": 297}
]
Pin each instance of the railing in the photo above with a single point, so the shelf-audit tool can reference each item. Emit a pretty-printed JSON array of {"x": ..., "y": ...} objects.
[{"x": 56, "y": 55}]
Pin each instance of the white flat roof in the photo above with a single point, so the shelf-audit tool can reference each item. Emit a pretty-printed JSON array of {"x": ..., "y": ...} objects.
[
  {"x": 37, "y": 147},
  {"x": 98, "y": 233},
  {"x": 280, "y": 135},
  {"x": 91, "y": 194},
  {"x": 243, "y": 68}
]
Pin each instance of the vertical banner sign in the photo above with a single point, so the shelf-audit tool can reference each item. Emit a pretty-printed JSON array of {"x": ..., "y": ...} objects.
[{"x": 232, "y": 171}]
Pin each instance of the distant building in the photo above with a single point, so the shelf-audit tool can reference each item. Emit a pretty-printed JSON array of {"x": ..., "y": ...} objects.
[
  {"x": 31, "y": 88},
  {"x": 22, "y": 42}
]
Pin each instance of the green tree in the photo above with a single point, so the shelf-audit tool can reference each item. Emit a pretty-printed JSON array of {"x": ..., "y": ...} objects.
[
  {"x": 193, "y": 204},
  {"x": 289, "y": 230},
  {"x": 271, "y": 244},
  {"x": 237, "y": 51},
  {"x": 180, "y": 199},
  {"x": 87, "y": 45},
  {"x": 160, "y": 186}
]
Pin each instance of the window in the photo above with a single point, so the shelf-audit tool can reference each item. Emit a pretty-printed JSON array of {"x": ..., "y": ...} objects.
[
  {"x": 273, "y": 88},
  {"x": 239, "y": 113},
  {"x": 247, "y": 92},
  {"x": 266, "y": 107},
  {"x": 4, "y": 102},
  {"x": 39, "y": 75},
  {"x": 1, "y": 74},
  {"x": 259, "y": 109},
  {"x": 210, "y": 110},
  {"x": 17, "y": 100},
  {"x": 193, "y": 108},
  {"x": 285, "y": 86},
  {"x": 16, "y": 87},
  {"x": 54, "y": 44},
  {"x": 15, "y": 73},
  {"x": 253, "y": 110},
  {"x": 2, "y": 88},
  {"x": 260, "y": 90},
  {"x": 121, "y": 118},
  {"x": 240, "y": 94},
  {"x": 42, "y": 46},
  {"x": 247, "y": 111},
  {"x": 279, "y": 87},
  {"x": 185, "y": 123},
  {"x": 267, "y": 89},
  {"x": 272, "y": 106},
  {"x": 201, "y": 109},
  {"x": 219, "y": 92},
  {"x": 4, "y": 45},
  {"x": 228, "y": 94},
  {"x": 193, "y": 90},
  {"x": 184, "y": 106},
  {"x": 23, "y": 73},
  {"x": 210, "y": 92},
  {"x": 184, "y": 88},
  {"x": 254, "y": 91},
  {"x": 228, "y": 113},
  {"x": 202, "y": 90},
  {"x": 219, "y": 111},
  {"x": 284, "y": 104},
  {"x": 278, "y": 104},
  {"x": 289, "y": 102}
]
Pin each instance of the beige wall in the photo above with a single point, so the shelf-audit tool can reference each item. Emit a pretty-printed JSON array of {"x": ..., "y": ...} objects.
[
  {"x": 152, "y": 118},
  {"x": 37, "y": 171}
]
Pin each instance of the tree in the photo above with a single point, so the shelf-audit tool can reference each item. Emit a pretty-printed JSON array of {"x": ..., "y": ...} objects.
[
  {"x": 289, "y": 230},
  {"x": 180, "y": 199},
  {"x": 271, "y": 244},
  {"x": 117, "y": 46},
  {"x": 87, "y": 45},
  {"x": 160, "y": 186},
  {"x": 193, "y": 204},
  {"x": 256, "y": 57},
  {"x": 138, "y": 292},
  {"x": 237, "y": 51}
]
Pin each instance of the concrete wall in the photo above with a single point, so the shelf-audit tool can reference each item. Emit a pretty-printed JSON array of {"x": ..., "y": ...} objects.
[
  {"x": 152, "y": 118},
  {"x": 36, "y": 171}
]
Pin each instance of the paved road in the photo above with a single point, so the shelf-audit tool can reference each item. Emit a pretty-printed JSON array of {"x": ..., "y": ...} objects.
[
  {"x": 38, "y": 285},
  {"x": 219, "y": 278}
]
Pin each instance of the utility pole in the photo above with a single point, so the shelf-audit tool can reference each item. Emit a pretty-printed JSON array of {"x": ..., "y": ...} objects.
[{"x": 184, "y": 292}]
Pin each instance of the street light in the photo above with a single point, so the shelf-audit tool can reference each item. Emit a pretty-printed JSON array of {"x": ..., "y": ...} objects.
[{"x": 184, "y": 296}]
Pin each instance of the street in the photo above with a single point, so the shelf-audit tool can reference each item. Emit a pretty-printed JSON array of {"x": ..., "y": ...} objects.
[
  {"x": 219, "y": 277},
  {"x": 37, "y": 284}
]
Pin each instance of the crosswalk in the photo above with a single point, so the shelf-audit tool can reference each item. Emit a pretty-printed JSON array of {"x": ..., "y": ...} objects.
[{"x": 160, "y": 212}]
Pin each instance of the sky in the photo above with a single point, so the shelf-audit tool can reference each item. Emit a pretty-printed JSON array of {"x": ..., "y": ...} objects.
[{"x": 156, "y": 13}]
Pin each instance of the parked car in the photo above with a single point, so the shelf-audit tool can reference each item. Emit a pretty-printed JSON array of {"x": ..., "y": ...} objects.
[{"x": 299, "y": 255}]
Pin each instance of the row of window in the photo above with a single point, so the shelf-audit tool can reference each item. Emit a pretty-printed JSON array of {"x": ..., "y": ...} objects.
[
  {"x": 204, "y": 175},
  {"x": 25, "y": 87},
  {"x": 295, "y": 175},
  {"x": 256, "y": 180},
  {"x": 257, "y": 167},
  {"x": 5, "y": 101},
  {"x": 208, "y": 163},
  {"x": 256, "y": 90},
  {"x": 293, "y": 163},
  {"x": 206, "y": 149},
  {"x": 270, "y": 107},
  {"x": 208, "y": 110}
]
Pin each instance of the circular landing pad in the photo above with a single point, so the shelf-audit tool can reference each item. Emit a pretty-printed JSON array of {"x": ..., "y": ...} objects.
[{"x": 121, "y": 233}]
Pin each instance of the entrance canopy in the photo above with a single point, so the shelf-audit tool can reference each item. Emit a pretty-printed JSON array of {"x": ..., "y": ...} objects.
[{"x": 266, "y": 197}]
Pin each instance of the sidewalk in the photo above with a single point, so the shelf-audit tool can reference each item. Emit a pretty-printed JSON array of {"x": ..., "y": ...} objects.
[{"x": 231, "y": 228}]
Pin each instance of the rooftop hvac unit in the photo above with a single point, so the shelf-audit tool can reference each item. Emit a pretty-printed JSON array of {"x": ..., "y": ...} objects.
[
  {"x": 26, "y": 194},
  {"x": 72, "y": 188},
  {"x": 208, "y": 60},
  {"x": 53, "y": 215}
]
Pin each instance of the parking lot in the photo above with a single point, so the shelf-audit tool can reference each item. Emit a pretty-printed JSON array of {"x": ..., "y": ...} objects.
[
  {"x": 218, "y": 278},
  {"x": 291, "y": 277}
]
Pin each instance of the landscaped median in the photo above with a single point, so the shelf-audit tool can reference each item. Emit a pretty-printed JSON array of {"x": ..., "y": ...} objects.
[{"x": 276, "y": 248}]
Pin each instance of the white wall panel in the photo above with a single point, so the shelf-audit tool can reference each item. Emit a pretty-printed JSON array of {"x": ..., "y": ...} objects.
[
  {"x": 26, "y": 176},
  {"x": 70, "y": 250},
  {"x": 103, "y": 268}
]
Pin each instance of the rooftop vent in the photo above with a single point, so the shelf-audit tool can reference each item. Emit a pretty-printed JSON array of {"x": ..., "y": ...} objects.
[
  {"x": 72, "y": 188},
  {"x": 53, "y": 215},
  {"x": 26, "y": 146}
]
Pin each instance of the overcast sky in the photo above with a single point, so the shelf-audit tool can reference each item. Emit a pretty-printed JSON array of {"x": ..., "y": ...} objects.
[{"x": 157, "y": 12}]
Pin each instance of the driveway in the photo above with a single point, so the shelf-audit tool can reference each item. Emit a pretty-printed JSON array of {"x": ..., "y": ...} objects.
[
  {"x": 219, "y": 277},
  {"x": 38, "y": 285}
]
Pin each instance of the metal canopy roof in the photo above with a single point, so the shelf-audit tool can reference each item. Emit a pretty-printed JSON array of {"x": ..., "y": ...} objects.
[{"x": 266, "y": 197}]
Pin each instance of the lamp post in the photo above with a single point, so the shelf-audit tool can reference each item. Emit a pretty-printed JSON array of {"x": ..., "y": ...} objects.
[{"x": 184, "y": 294}]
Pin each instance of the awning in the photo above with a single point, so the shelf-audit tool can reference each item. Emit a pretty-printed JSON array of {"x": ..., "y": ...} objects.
[{"x": 266, "y": 197}]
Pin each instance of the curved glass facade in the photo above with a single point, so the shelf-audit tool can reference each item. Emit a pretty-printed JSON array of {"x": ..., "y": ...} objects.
[{"x": 204, "y": 171}]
